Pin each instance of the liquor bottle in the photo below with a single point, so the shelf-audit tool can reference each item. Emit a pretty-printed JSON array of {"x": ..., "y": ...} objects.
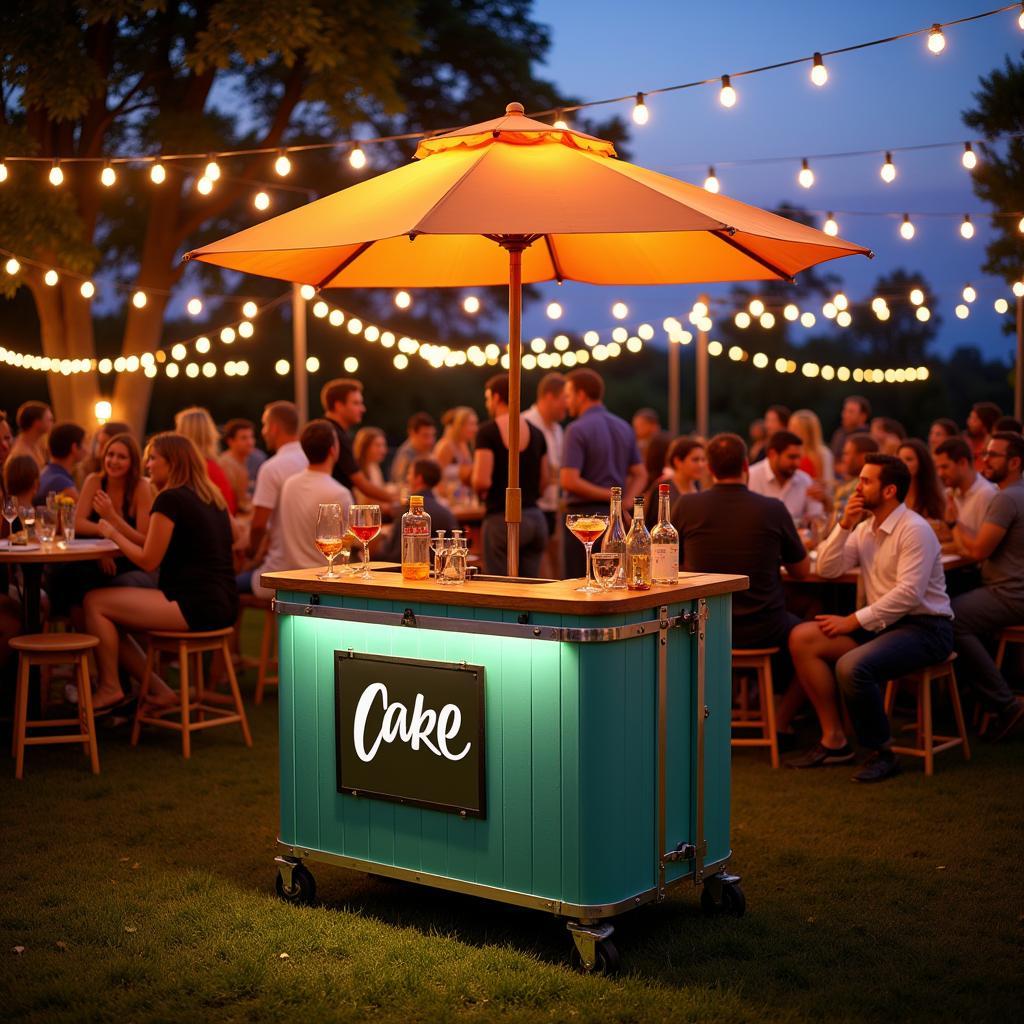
[
  {"x": 615, "y": 538},
  {"x": 638, "y": 550},
  {"x": 664, "y": 543},
  {"x": 415, "y": 541}
]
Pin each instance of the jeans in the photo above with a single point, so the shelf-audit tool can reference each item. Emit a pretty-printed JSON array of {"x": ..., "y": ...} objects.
[
  {"x": 979, "y": 613},
  {"x": 912, "y": 643},
  {"x": 533, "y": 539}
]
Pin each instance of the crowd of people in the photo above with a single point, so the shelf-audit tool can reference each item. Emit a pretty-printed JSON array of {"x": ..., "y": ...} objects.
[{"x": 203, "y": 512}]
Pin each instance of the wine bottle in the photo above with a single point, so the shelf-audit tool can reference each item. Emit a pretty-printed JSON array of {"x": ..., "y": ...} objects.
[
  {"x": 638, "y": 550},
  {"x": 615, "y": 538},
  {"x": 664, "y": 543}
]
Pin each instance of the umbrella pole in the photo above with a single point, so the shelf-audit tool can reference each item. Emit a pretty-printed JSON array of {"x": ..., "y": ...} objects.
[{"x": 513, "y": 494}]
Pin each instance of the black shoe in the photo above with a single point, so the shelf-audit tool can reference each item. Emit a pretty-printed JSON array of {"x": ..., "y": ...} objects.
[
  {"x": 1009, "y": 719},
  {"x": 820, "y": 756},
  {"x": 881, "y": 765}
]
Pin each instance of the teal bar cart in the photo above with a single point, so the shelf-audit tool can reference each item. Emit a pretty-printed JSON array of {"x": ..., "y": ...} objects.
[{"x": 513, "y": 740}]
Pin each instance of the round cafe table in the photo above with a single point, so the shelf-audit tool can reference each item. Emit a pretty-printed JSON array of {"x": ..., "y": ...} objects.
[{"x": 32, "y": 557}]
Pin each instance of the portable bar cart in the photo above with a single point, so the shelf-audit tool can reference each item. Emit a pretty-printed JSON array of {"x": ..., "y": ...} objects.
[{"x": 509, "y": 739}]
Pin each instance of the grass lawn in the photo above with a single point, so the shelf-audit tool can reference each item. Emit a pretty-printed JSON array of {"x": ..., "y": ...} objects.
[{"x": 146, "y": 894}]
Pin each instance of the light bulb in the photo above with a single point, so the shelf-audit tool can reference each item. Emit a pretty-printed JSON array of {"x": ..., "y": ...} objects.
[
  {"x": 403, "y": 300},
  {"x": 819, "y": 73},
  {"x": 227, "y": 335},
  {"x": 179, "y": 351},
  {"x": 351, "y": 364},
  {"x": 554, "y": 310},
  {"x": 194, "y": 306},
  {"x": 841, "y": 301},
  {"x": 261, "y": 201},
  {"x": 808, "y": 319},
  {"x": 727, "y": 94},
  {"x": 51, "y": 277},
  {"x": 843, "y": 318},
  {"x": 829, "y": 310},
  {"x": 962, "y": 311},
  {"x": 878, "y": 303},
  {"x": 906, "y": 228},
  {"x": 56, "y": 175},
  {"x": 700, "y": 310},
  {"x": 139, "y": 299},
  {"x": 212, "y": 170},
  {"x": 471, "y": 304},
  {"x": 108, "y": 176},
  {"x": 966, "y": 227},
  {"x": 282, "y": 366},
  {"x": 1001, "y": 306},
  {"x": 282, "y": 166},
  {"x": 756, "y": 307},
  {"x": 357, "y": 158},
  {"x": 830, "y": 227},
  {"x": 1018, "y": 289},
  {"x": 3, "y": 171},
  {"x": 335, "y": 318},
  {"x": 969, "y": 294},
  {"x": 172, "y": 370},
  {"x": 791, "y": 312},
  {"x": 711, "y": 183},
  {"x": 560, "y": 121},
  {"x": 923, "y": 313},
  {"x": 742, "y": 319},
  {"x": 916, "y": 296},
  {"x": 767, "y": 321},
  {"x": 641, "y": 115},
  {"x": 1020, "y": 225},
  {"x": 970, "y": 158},
  {"x": 250, "y": 309},
  {"x": 806, "y": 175},
  {"x": 883, "y": 314},
  {"x": 157, "y": 173},
  {"x": 12, "y": 266},
  {"x": 307, "y": 291},
  {"x": 936, "y": 40},
  {"x": 1020, "y": 18},
  {"x": 202, "y": 345},
  {"x": 312, "y": 364},
  {"x": 87, "y": 289},
  {"x": 204, "y": 186}
]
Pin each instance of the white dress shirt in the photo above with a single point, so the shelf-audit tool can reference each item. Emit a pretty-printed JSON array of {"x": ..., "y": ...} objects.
[
  {"x": 792, "y": 494},
  {"x": 900, "y": 563},
  {"x": 554, "y": 434},
  {"x": 288, "y": 460},
  {"x": 972, "y": 505}
]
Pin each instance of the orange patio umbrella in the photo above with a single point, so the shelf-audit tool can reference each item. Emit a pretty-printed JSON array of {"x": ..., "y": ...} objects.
[{"x": 514, "y": 200}]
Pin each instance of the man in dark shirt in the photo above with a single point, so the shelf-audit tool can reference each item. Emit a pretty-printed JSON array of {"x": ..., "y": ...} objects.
[
  {"x": 343, "y": 404},
  {"x": 730, "y": 529},
  {"x": 421, "y": 478}
]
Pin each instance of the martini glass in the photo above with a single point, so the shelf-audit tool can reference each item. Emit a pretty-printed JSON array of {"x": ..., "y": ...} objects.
[{"x": 586, "y": 528}]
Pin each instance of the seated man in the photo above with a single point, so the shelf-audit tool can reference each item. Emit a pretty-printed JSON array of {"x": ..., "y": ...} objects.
[
  {"x": 855, "y": 448},
  {"x": 779, "y": 476},
  {"x": 730, "y": 529},
  {"x": 968, "y": 493},
  {"x": 999, "y": 602},
  {"x": 66, "y": 450},
  {"x": 904, "y": 626}
]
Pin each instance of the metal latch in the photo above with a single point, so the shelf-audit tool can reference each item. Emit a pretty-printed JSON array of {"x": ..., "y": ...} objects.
[
  {"x": 690, "y": 620},
  {"x": 682, "y": 851},
  {"x": 409, "y": 618}
]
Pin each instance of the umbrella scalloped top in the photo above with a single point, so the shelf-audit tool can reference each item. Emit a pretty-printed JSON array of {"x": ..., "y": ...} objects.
[{"x": 513, "y": 129}]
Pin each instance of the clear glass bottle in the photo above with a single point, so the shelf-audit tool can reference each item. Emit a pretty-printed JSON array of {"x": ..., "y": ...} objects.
[
  {"x": 615, "y": 537},
  {"x": 664, "y": 543},
  {"x": 416, "y": 541},
  {"x": 638, "y": 550}
]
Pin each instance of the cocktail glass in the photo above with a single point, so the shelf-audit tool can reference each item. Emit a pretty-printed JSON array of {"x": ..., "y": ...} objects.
[{"x": 586, "y": 528}]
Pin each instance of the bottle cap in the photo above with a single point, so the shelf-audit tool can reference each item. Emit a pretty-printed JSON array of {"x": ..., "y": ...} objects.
[
  {"x": 663, "y": 488},
  {"x": 415, "y": 501}
]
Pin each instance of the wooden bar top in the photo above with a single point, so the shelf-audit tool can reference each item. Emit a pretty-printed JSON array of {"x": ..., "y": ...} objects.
[{"x": 548, "y": 596}]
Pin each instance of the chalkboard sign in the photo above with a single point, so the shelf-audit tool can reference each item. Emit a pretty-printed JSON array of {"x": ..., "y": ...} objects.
[{"x": 411, "y": 731}]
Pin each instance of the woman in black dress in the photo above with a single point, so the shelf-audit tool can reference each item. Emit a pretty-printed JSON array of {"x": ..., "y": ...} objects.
[{"x": 189, "y": 539}]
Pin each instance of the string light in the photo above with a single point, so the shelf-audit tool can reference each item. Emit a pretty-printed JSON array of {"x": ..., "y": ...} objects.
[
  {"x": 1001, "y": 306},
  {"x": 194, "y": 306},
  {"x": 357, "y": 158},
  {"x": 1020, "y": 18},
  {"x": 830, "y": 227},
  {"x": 711, "y": 183},
  {"x": 756, "y": 307},
  {"x": 554, "y": 310},
  {"x": 1018, "y": 289},
  {"x": 1020, "y": 225},
  {"x": 56, "y": 175},
  {"x": 767, "y": 321},
  {"x": 307, "y": 291},
  {"x": 336, "y": 318},
  {"x": 50, "y": 278},
  {"x": 108, "y": 176},
  {"x": 249, "y": 309},
  {"x": 727, "y": 94},
  {"x": 87, "y": 289},
  {"x": 819, "y": 73},
  {"x": 907, "y": 229},
  {"x": 843, "y": 318},
  {"x": 282, "y": 366},
  {"x": 261, "y": 201},
  {"x": 841, "y": 301},
  {"x": 888, "y": 171},
  {"x": 212, "y": 170},
  {"x": 245, "y": 329},
  {"x": 923, "y": 313},
  {"x": 192, "y": 370},
  {"x": 936, "y": 40},
  {"x": 12, "y": 266},
  {"x": 172, "y": 370},
  {"x": 560, "y": 121},
  {"x": 204, "y": 186},
  {"x": 282, "y": 166},
  {"x": 312, "y": 364},
  {"x": 969, "y": 294},
  {"x": 403, "y": 300},
  {"x": 970, "y": 158},
  {"x": 962, "y": 311},
  {"x": 351, "y": 364},
  {"x": 202, "y": 345},
  {"x": 641, "y": 115},
  {"x": 806, "y": 175},
  {"x": 967, "y": 228},
  {"x": 791, "y": 313},
  {"x": 227, "y": 335},
  {"x": 3, "y": 171},
  {"x": 157, "y": 173},
  {"x": 916, "y": 296},
  {"x": 471, "y": 305},
  {"x": 139, "y": 299}
]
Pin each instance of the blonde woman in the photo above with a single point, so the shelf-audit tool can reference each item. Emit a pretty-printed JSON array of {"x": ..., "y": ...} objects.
[
  {"x": 454, "y": 452},
  {"x": 370, "y": 448},
  {"x": 189, "y": 540},
  {"x": 818, "y": 461},
  {"x": 197, "y": 425}
]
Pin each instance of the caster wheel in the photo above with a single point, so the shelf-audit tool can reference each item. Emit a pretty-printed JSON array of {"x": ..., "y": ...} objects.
[
  {"x": 302, "y": 891},
  {"x": 730, "y": 901},
  {"x": 606, "y": 959}
]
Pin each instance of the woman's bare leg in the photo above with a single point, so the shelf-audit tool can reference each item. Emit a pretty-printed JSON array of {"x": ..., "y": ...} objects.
[{"x": 132, "y": 608}]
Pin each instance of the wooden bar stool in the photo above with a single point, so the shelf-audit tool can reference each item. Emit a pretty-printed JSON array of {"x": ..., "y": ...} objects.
[
  {"x": 196, "y": 713},
  {"x": 47, "y": 649},
  {"x": 928, "y": 743},
  {"x": 759, "y": 661},
  {"x": 266, "y": 665},
  {"x": 1010, "y": 635}
]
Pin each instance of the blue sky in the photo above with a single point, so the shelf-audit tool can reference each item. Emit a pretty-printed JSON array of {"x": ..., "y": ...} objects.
[{"x": 894, "y": 95}]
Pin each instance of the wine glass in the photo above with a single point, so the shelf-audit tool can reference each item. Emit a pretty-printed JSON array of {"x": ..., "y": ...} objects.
[
  {"x": 10, "y": 512},
  {"x": 587, "y": 527},
  {"x": 364, "y": 522},
  {"x": 27, "y": 514},
  {"x": 605, "y": 565},
  {"x": 330, "y": 529}
]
